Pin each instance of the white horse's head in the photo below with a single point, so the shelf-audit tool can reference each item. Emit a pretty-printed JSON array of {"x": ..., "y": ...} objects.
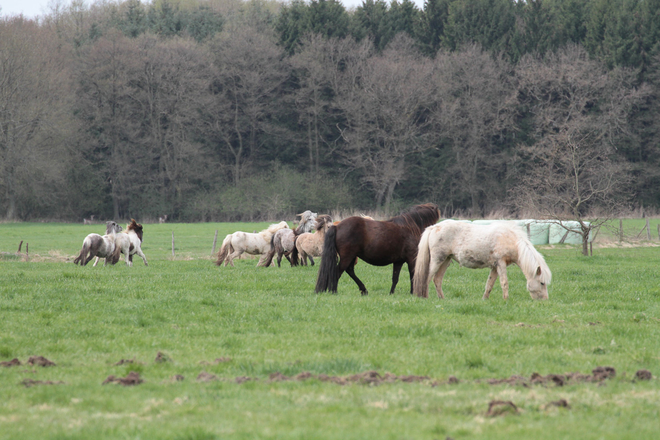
[
  {"x": 112, "y": 228},
  {"x": 534, "y": 267},
  {"x": 537, "y": 285}
]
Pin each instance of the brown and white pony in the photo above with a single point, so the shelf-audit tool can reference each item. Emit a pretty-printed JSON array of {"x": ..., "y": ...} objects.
[
  {"x": 311, "y": 245},
  {"x": 95, "y": 245},
  {"x": 493, "y": 246},
  {"x": 235, "y": 244},
  {"x": 130, "y": 242},
  {"x": 379, "y": 243},
  {"x": 284, "y": 240}
]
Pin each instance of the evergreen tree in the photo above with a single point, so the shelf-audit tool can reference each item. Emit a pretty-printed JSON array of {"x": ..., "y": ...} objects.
[
  {"x": 403, "y": 16},
  {"x": 430, "y": 29},
  {"x": 371, "y": 20},
  {"x": 134, "y": 21},
  {"x": 202, "y": 23},
  {"x": 491, "y": 23}
]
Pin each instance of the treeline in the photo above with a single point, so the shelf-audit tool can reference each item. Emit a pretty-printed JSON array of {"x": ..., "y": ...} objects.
[{"x": 233, "y": 110}]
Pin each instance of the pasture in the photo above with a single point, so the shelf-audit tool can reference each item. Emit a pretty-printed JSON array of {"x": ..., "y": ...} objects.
[{"x": 223, "y": 334}]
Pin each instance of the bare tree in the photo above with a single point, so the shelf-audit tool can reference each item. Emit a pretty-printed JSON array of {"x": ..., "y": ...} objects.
[
  {"x": 579, "y": 111},
  {"x": 313, "y": 65},
  {"x": 33, "y": 116},
  {"x": 105, "y": 101},
  {"x": 168, "y": 83},
  {"x": 475, "y": 111},
  {"x": 249, "y": 73},
  {"x": 386, "y": 100}
]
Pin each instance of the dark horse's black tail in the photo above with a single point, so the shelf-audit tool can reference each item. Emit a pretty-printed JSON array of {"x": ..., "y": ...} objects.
[{"x": 328, "y": 272}]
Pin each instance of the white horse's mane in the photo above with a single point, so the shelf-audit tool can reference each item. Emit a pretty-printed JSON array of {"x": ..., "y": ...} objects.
[
  {"x": 529, "y": 259},
  {"x": 267, "y": 233}
]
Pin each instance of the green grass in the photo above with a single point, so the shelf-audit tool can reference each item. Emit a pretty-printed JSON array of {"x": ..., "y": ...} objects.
[{"x": 603, "y": 311}]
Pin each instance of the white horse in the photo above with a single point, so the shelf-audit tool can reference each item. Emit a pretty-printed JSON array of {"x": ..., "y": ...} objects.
[
  {"x": 284, "y": 240},
  {"x": 234, "y": 245},
  {"x": 311, "y": 245},
  {"x": 130, "y": 242},
  {"x": 493, "y": 246},
  {"x": 95, "y": 245}
]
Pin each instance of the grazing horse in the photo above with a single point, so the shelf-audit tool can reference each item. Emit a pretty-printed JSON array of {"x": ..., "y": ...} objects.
[
  {"x": 235, "y": 244},
  {"x": 283, "y": 241},
  {"x": 311, "y": 245},
  {"x": 379, "y": 243},
  {"x": 493, "y": 246},
  {"x": 130, "y": 242},
  {"x": 95, "y": 245}
]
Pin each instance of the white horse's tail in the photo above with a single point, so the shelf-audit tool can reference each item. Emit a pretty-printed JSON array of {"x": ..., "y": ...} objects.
[
  {"x": 268, "y": 259},
  {"x": 225, "y": 250},
  {"x": 82, "y": 256},
  {"x": 421, "y": 278}
]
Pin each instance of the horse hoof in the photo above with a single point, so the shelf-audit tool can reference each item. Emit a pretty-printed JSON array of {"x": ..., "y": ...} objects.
[{"x": 364, "y": 293}]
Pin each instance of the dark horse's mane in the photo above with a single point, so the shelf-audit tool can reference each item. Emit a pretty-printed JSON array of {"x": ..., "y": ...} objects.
[{"x": 417, "y": 218}]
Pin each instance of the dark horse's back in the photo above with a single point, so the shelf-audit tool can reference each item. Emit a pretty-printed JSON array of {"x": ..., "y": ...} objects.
[{"x": 379, "y": 243}]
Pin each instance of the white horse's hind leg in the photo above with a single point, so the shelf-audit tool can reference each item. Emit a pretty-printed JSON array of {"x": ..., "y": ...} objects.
[
  {"x": 230, "y": 257},
  {"x": 439, "y": 270},
  {"x": 491, "y": 282},
  {"x": 504, "y": 280}
]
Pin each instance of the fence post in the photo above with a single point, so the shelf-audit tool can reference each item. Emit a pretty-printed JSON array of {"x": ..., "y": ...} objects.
[
  {"x": 648, "y": 230},
  {"x": 215, "y": 240},
  {"x": 620, "y": 230}
]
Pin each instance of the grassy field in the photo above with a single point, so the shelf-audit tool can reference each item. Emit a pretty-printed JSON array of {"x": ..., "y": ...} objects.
[{"x": 227, "y": 331}]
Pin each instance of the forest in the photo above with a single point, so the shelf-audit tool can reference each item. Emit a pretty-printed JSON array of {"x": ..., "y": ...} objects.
[{"x": 233, "y": 110}]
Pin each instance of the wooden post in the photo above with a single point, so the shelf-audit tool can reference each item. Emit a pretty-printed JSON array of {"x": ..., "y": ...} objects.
[
  {"x": 172, "y": 244},
  {"x": 620, "y": 230},
  {"x": 529, "y": 235},
  {"x": 648, "y": 230},
  {"x": 215, "y": 241},
  {"x": 19, "y": 247},
  {"x": 659, "y": 231},
  {"x": 27, "y": 252}
]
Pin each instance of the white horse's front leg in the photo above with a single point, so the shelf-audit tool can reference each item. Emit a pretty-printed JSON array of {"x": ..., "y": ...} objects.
[
  {"x": 141, "y": 254},
  {"x": 491, "y": 282},
  {"x": 504, "y": 280},
  {"x": 95, "y": 262}
]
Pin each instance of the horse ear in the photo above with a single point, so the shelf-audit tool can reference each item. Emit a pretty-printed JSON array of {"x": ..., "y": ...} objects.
[{"x": 538, "y": 271}]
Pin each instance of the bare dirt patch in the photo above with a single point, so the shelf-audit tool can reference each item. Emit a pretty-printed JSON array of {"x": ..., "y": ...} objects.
[
  {"x": 599, "y": 374},
  {"x": 12, "y": 363},
  {"x": 206, "y": 377},
  {"x": 131, "y": 379},
  {"x": 31, "y": 382},
  {"x": 367, "y": 377},
  {"x": 40, "y": 361},
  {"x": 162, "y": 357},
  {"x": 501, "y": 408},
  {"x": 643, "y": 375}
]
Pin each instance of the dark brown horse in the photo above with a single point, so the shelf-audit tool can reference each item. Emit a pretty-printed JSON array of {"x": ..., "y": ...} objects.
[{"x": 379, "y": 243}]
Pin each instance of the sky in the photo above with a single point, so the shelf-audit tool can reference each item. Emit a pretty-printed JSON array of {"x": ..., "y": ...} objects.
[{"x": 32, "y": 8}]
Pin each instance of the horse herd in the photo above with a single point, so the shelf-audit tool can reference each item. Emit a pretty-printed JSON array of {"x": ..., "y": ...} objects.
[{"x": 414, "y": 237}]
